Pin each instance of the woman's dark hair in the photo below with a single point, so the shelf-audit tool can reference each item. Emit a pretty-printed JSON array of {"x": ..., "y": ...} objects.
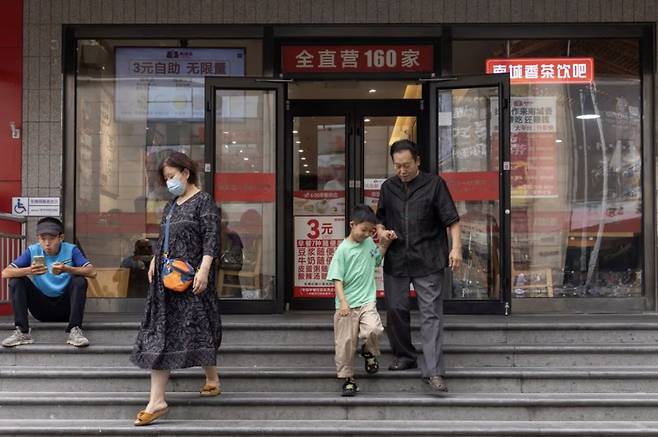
[
  {"x": 402, "y": 145},
  {"x": 363, "y": 213},
  {"x": 181, "y": 162}
]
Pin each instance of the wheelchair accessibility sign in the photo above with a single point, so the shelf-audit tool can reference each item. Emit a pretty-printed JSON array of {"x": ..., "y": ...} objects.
[{"x": 35, "y": 206}]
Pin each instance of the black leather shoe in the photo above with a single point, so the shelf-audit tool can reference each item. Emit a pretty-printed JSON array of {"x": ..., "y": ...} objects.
[{"x": 398, "y": 364}]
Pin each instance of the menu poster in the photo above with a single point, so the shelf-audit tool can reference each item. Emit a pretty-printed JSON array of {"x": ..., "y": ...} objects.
[
  {"x": 533, "y": 127},
  {"x": 316, "y": 241},
  {"x": 534, "y": 165}
]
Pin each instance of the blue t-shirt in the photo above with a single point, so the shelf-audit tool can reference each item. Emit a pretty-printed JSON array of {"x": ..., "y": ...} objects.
[{"x": 50, "y": 284}]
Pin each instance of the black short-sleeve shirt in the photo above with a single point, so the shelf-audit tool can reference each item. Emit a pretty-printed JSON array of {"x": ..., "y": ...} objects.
[{"x": 418, "y": 212}]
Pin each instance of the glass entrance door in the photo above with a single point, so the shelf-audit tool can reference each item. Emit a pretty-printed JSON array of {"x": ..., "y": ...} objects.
[
  {"x": 469, "y": 130},
  {"x": 244, "y": 170},
  {"x": 340, "y": 157}
]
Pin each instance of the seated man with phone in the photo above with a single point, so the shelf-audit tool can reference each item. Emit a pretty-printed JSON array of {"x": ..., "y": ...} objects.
[{"x": 49, "y": 280}]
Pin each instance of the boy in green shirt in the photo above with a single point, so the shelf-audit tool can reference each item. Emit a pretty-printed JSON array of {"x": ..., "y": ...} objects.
[{"x": 352, "y": 270}]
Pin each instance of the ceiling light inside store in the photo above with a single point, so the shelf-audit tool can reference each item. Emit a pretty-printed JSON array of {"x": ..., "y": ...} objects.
[
  {"x": 372, "y": 90},
  {"x": 298, "y": 142},
  {"x": 586, "y": 109},
  {"x": 225, "y": 132},
  {"x": 307, "y": 172},
  {"x": 558, "y": 141},
  {"x": 295, "y": 132},
  {"x": 366, "y": 120},
  {"x": 305, "y": 165},
  {"x": 234, "y": 142},
  {"x": 301, "y": 150},
  {"x": 245, "y": 158},
  {"x": 303, "y": 158},
  {"x": 588, "y": 116}
]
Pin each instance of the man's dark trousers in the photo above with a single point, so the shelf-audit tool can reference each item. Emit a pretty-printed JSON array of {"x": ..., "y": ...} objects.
[
  {"x": 398, "y": 326},
  {"x": 69, "y": 307}
]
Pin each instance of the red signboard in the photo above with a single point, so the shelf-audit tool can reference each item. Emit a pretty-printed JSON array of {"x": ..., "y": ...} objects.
[
  {"x": 544, "y": 70},
  {"x": 357, "y": 59},
  {"x": 245, "y": 187},
  {"x": 472, "y": 185}
]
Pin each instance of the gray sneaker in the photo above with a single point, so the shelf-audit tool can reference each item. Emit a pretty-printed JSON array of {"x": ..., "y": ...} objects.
[
  {"x": 18, "y": 338},
  {"x": 77, "y": 338},
  {"x": 437, "y": 383}
]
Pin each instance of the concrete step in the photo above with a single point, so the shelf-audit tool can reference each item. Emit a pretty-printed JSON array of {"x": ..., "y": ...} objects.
[
  {"x": 234, "y": 355},
  {"x": 460, "y": 380},
  {"x": 319, "y": 330},
  {"x": 316, "y": 428},
  {"x": 366, "y": 406}
]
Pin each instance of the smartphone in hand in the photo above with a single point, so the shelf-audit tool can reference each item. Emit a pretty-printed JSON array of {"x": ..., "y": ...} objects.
[{"x": 39, "y": 259}]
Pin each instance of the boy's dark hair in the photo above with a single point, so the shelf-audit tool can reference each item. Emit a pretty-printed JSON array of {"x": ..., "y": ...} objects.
[
  {"x": 50, "y": 225},
  {"x": 363, "y": 213},
  {"x": 402, "y": 145},
  {"x": 181, "y": 162}
]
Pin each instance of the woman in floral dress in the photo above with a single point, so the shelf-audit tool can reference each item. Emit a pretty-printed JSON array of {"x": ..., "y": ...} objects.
[{"x": 181, "y": 330}]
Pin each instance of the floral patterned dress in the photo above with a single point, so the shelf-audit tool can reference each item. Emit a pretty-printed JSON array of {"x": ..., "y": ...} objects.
[{"x": 182, "y": 330}]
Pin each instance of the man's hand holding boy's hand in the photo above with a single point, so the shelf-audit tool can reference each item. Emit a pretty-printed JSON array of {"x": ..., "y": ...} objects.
[
  {"x": 344, "y": 310},
  {"x": 386, "y": 237},
  {"x": 59, "y": 268}
]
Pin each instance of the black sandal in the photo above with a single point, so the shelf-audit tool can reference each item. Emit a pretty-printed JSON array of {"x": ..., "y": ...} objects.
[
  {"x": 349, "y": 387},
  {"x": 372, "y": 365}
]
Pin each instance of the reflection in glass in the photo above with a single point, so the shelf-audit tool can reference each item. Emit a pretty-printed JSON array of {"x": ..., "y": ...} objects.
[
  {"x": 319, "y": 165},
  {"x": 245, "y": 189},
  {"x": 468, "y": 161}
]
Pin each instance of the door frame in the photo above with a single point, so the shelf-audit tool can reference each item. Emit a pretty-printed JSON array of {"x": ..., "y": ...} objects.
[
  {"x": 354, "y": 111},
  {"x": 240, "y": 306},
  {"x": 500, "y": 81}
]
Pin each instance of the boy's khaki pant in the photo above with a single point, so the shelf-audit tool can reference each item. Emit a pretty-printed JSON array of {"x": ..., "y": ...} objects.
[{"x": 362, "y": 322}]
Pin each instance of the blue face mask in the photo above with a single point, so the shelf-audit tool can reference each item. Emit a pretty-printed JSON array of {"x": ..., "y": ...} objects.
[{"x": 175, "y": 186}]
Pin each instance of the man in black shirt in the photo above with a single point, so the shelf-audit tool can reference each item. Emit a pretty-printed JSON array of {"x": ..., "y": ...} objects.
[{"x": 419, "y": 208}]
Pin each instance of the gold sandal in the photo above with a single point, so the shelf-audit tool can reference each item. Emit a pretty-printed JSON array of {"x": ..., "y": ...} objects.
[
  {"x": 210, "y": 390},
  {"x": 146, "y": 418}
]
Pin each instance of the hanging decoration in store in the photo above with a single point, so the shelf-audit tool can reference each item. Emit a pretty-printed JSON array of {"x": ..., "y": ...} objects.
[{"x": 544, "y": 70}]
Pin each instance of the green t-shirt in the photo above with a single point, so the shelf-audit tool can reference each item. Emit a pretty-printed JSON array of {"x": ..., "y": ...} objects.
[{"x": 354, "y": 264}]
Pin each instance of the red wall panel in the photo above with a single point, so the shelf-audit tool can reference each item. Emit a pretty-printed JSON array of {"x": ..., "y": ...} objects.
[
  {"x": 11, "y": 92},
  {"x": 11, "y": 76}
]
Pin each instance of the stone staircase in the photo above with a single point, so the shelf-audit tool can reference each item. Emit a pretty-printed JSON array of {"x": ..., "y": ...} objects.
[{"x": 517, "y": 376}]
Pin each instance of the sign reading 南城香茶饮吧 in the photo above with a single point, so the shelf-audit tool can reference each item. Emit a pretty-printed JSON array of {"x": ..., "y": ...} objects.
[
  {"x": 347, "y": 58},
  {"x": 544, "y": 70}
]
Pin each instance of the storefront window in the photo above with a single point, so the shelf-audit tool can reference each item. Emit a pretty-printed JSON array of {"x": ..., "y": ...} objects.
[
  {"x": 136, "y": 102},
  {"x": 576, "y": 184}
]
